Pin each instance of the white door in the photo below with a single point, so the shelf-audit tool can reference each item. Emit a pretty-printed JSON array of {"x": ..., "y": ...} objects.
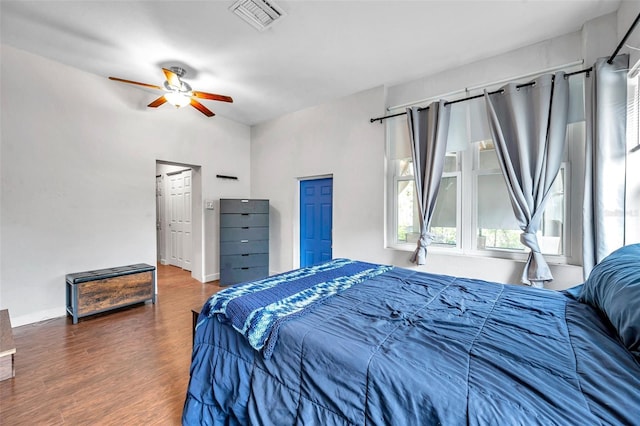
[
  {"x": 175, "y": 219},
  {"x": 180, "y": 224},
  {"x": 187, "y": 236}
]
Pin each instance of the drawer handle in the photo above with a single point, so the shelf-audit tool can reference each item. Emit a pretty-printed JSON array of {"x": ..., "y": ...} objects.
[
  {"x": 244, "y": 241},
  {"x": 244, "y": 268},
  {"x": 244, "y": 254},
  {"x": 244, "y": 201},
  {"x": 244, "y": 214}
]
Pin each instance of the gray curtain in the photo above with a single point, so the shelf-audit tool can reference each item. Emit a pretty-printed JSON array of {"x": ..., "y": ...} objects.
[
  {"x": 528, "y": 126},
  {"x": 604, "y": 186},
  {"x": 428, "y": 131}
]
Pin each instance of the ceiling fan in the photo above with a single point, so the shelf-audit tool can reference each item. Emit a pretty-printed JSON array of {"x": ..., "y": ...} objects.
[{"x": 179, "y": 93}]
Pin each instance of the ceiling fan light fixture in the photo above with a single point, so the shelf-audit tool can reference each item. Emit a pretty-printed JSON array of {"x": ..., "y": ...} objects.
[
  {"x": 178, "y": 99},
  {"x": 178, "y": 93}
]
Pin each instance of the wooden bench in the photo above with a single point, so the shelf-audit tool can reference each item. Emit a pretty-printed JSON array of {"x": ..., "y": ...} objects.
[
  {"x": 7, "y": 347},
  {"x": 102, "y": 290}
]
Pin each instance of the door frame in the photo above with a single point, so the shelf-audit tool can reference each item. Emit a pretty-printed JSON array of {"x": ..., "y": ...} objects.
[
  {"x": 197, "y": 216},
  {"x": 296, "y": 214},
  {"x": 184, "y": 258}
]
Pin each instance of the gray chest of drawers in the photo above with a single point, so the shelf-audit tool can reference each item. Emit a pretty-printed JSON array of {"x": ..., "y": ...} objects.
[{"x": 244, "y": 240}]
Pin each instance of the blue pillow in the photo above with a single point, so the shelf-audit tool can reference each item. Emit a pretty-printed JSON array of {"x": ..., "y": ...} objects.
[{"x": 614, "y": 288}]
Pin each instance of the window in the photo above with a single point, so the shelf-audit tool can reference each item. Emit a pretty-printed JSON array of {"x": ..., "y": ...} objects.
[
  {"x": 496, "y": 225},
  {"x": 406, "y": 219},
  {"x": 632, "y": 213},
  {"x": 473, "y": 211},
  {"x": 444, "y": 221}
]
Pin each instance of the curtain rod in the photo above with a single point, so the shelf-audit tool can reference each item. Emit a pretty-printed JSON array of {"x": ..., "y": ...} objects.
[
  {"x": 624, "y": 39},
  {"x": 493, "y": 83},
  {"x": 495, "y": 92}
]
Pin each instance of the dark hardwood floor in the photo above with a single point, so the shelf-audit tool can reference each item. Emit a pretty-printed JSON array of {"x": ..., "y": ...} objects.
[{"x": 128, "y": 367}]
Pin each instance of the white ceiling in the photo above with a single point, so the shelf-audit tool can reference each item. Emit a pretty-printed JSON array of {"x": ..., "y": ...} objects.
[{"x": 320, "y": 51}]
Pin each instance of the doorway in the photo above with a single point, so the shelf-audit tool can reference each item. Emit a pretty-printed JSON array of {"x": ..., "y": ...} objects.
[
  {"x": 316, "y": 221},
  {"x": 180, "y": 219},
  {"x": 176, "y": 192}
]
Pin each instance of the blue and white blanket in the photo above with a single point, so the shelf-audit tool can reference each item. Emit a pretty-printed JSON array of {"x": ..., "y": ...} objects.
[{"x": 257, "y": 309}]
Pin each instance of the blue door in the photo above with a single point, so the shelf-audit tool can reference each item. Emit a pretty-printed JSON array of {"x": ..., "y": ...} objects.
[{"x": 316, "y": 222}]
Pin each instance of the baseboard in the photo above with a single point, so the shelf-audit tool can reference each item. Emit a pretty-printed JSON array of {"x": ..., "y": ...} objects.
[
  {"x": 211, "y": 277},
  {"x": 37, "y": 316}
]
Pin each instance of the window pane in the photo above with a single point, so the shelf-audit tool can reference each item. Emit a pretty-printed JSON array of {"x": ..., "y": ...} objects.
[
  {"x": 551, "y": 232},
  {"x": 487, "y": 157},
  {"x": 497, "y": 226},
  {"x": 451, "y": 162},
  {"x": 405, "y": 167},
  {"x": 406, "y": 201},
  {"x": 443, "y": 223}
]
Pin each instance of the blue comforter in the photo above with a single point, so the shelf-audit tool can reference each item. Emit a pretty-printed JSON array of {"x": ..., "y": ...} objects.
[{"x": 410, "y": 348}]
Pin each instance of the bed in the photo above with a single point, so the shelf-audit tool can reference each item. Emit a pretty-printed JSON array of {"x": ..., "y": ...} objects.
[{"x": 398, "y": 347}]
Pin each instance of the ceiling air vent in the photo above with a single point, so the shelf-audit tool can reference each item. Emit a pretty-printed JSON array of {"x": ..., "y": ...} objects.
[{"x": 261, "y": 14}]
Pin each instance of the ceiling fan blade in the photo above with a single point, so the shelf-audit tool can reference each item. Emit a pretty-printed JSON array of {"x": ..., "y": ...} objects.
[
  {"x": 203, "y": 109},
  {"x": 172, "y": 78},
  {"x": 155, "y": 104},
  {"x": 122, "y": 80},
  {"x": 212, "y": 96}
]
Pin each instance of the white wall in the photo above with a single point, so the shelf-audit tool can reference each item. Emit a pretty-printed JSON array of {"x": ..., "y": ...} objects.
[
  {"x": 333, "y": 139},
  {"x": 337, "y": 138},
  {"x": 555, "y": 52},
  {"x": 78, "y": 164}
]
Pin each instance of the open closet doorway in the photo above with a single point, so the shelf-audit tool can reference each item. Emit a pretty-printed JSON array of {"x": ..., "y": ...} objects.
[{"x": 176, "y": 190}]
